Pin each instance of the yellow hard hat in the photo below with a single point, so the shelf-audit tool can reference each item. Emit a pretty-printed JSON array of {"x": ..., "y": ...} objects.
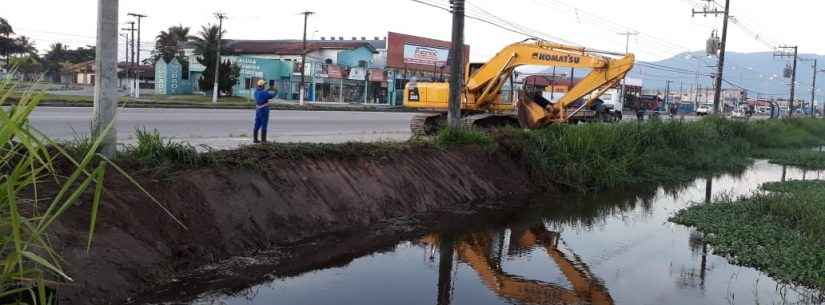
[{"x": 261, "y": 83}]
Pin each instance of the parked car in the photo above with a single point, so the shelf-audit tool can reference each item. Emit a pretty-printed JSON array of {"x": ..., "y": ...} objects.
[{"x": 703, "y": 110}]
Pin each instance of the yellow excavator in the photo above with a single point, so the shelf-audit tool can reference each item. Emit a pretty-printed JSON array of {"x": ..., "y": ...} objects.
[
  {"x": 481, "y": 94},
  {"x": 585, "y": 288}
]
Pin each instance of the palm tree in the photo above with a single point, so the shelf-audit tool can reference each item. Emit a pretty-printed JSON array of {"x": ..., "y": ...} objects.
[
  {"x": 206, "y": 44},
  {"x": 168, "y": 42},
  {"x": 206, "y": 47},
  {"x": 6, "y": 43},
  {"x": 5, "y": 28}
]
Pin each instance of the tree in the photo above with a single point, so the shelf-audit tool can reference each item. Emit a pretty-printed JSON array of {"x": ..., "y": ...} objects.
[
  {"x": 229, "y": 77},
  {"x": 167, "y": 43},
  {"x": 206, "y": 47},
  {"x": 29, "y": 66},
  {"x": 59, "y": 55},
  {"x": 6, "y": 42}
]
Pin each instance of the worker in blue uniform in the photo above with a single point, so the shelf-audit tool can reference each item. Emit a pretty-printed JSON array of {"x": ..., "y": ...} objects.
[{"x": 262, "y": 97}]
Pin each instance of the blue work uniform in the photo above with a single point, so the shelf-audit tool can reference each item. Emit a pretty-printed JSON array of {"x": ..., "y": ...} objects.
[{"x": 262, "y": 114}]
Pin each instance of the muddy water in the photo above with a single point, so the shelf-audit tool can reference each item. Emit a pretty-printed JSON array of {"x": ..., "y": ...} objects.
[{"x": 601, "y": 249}]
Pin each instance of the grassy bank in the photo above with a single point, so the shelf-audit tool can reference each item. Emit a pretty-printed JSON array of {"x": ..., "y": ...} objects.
[
  {"x": 599, "y": 156},
  {"x": 581, "y": 158},
  {"x": 780, "y": 231}
]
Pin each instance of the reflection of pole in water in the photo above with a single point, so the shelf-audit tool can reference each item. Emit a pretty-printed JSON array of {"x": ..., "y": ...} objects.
[
  {"x": 703, "y": 265},
  {"x": 804, "y": 175},
  {"x": 708, "y": 189},
  {"x": 445, "y": 269},
  {"x": 784, "y": 172}
]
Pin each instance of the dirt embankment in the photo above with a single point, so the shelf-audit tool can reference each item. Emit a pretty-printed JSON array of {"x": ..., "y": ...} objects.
[{"x": 282, "y": 203}]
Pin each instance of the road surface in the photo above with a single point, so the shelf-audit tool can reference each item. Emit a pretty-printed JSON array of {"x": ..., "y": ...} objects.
[{"x": 224, "y": 128}]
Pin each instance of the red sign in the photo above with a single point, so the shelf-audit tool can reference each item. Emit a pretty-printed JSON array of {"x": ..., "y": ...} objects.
[
  {"x": 377, "y": 75},
  {"x": 333, "y": 71}
]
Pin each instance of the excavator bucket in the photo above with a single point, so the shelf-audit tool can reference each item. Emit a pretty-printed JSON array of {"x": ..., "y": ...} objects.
[{"x": 530, "y": 114}]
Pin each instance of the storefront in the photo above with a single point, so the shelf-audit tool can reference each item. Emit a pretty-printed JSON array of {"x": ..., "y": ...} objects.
[{"x": 412, "y": 57}]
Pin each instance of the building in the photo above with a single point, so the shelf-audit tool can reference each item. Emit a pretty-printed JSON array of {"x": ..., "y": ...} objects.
[
  {"x": 337, "y": 70},
  {"x": 84, "y": 74},
  {"x": 171, "y": 79},
  {"x": 416, "y": 57}
]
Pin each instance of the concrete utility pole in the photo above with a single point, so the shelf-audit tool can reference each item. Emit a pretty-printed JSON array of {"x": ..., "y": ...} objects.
[
  {"x": 137, "y": 73},
  {"x": 717, "y": 97},
  {"x": 221, "y": 17},
  {"x": 793, "y": 73},
  {"x": 667, "y": 93},
  {"x": 304, "y": 59},
  {"x": 126, "y": 56},
  {"x": 813, "y": 89},
  {"x": 106, "y": 69},
  {"x": 626, "y": 51},
  {"x": 457, "y": 65},
  {"x": 131, "y": 59}
]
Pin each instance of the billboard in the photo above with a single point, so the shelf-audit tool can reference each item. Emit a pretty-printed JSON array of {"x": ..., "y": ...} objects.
[{"x": 427, "y": 56}]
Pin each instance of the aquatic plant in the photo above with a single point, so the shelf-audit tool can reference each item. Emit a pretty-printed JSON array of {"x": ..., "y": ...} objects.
[{"x": 780, "y": 230}]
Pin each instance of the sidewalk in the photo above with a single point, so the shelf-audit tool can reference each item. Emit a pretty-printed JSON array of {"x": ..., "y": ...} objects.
[{"x": 200, "y": 102}]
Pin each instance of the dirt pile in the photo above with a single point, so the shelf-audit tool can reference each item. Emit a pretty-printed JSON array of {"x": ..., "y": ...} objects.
[{"x": 281, "y": 202}]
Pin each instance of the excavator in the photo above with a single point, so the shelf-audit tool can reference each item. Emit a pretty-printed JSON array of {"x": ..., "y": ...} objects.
[
  {"x": 585, "y": 288},
  {"x": 481, "y": 104}
]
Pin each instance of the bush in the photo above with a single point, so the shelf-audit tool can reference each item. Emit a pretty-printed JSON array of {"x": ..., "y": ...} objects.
[
  {"x": 154, "y": 151},
  {"x": 451, "y": 137}
]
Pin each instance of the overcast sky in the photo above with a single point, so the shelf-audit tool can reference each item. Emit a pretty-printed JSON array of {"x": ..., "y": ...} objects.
[{"x": 666, "y": 26}]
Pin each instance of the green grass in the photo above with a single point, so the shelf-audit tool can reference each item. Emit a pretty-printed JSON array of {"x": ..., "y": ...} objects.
[
  {"x": 780, "y": 230},
  {"x": 449, "y": 138},
  {"x": 802, "y": 158}
]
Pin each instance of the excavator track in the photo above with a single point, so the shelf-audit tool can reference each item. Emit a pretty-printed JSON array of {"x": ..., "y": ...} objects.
[
  {"x": 427, "y": 124},
  {"x": 490, "y": 121}
]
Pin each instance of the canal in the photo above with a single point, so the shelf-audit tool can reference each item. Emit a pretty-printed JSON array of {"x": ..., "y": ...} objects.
[{"x": 608, "y": 248}]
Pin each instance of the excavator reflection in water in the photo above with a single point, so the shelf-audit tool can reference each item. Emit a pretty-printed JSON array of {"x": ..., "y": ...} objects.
[{"x": 483, "y": 253}]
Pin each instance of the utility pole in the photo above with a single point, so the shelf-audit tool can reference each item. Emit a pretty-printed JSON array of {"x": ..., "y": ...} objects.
[
  {"x": 221, "y": 17},
  {"x": 667, "y": 93},
  {"x": 126, "y": 56},
  {"x": 457, "y": 64},
  {"x": 105, "y": 101},
  {"x": 626, "y": 51},
  {"x": 793, "y": 73},
  {"x": 130, "y": 60},
  {"x": 717, "y": 97},
  {"x": 813, "y": 90},
  {"x": 304, "y": 59},
  {"x": 137, "y": 73}
]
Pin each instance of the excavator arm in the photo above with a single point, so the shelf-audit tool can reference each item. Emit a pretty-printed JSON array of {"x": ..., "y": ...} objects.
[{"x": 482, "y": 89}]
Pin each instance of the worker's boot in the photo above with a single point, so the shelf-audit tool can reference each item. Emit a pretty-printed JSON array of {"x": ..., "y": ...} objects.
[
  {"x": 263, "y": 136},
  {"x": 255, "y": 137}
]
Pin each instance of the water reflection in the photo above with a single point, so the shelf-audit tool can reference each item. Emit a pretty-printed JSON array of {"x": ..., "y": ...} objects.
[
  {"x": 484, "y": 252},
  {"x": 607, "y": 248}
]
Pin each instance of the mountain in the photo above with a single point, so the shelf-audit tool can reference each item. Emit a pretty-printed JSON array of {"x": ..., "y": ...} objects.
[{"x": 759, "y": 73}]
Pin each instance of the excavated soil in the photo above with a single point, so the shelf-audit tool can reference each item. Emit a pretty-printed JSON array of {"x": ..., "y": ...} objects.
[{"x": 281, "y": 214}]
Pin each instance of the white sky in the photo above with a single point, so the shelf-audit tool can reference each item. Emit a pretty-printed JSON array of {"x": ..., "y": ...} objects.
[{"x": 666, "y": 26}]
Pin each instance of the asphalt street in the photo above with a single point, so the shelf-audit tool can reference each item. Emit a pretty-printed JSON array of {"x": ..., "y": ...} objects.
[{"x": 223, "y": 128}]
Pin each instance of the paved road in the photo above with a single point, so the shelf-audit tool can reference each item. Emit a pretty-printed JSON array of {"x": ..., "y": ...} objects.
[{"x": 222, "y": 128}]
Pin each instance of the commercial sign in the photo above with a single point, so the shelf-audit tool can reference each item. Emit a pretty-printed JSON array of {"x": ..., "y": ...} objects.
[{"x": 428, "y": 56}]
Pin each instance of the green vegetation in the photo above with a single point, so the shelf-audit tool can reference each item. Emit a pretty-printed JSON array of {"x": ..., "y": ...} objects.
[
  {"x": 802, "y": 158},
  {"x": 40, "y": 182},
  {"x": 29, "y": 164},
  {"x": 780, "y": 230},
  {"x": 604, "y": 156},
  {"x": 448, "y": 138}
]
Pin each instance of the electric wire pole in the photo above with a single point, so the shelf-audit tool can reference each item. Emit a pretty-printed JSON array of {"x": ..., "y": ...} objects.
[
  {"x": 221, "y": 17},
  {"x": 137, "y": 72},
  {"x": 106, "y": 97},
  {"x": 813, "y": 89},
  {"x": 717, "y": 97},
  {"x": 126, "y": 55},
  {"x": 130, "y": 60},
  {"x": 793, "y": 73},
  {"x": 457, "y": 65},
  {"x": 626, "y": 51},
  {"x": 301, "y": 91}
]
